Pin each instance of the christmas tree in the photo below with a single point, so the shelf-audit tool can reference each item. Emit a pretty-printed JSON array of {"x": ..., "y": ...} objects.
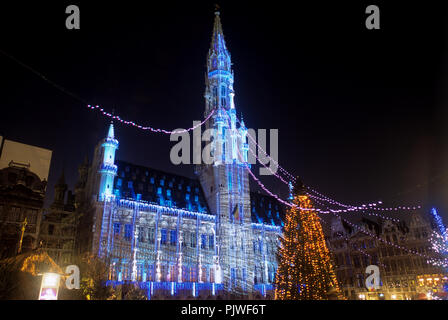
[{"x": 305, "y": 271}]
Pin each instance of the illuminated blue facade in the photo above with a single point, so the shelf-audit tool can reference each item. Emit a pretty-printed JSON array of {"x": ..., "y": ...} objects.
[{"x": 182, "y": 237}]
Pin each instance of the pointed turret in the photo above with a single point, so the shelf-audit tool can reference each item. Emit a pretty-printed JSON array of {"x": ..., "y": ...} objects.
[
  {"x": 299, "y": 188},
  {"x": 108, "y": 169},
  {"x": 337, "y": 227}
]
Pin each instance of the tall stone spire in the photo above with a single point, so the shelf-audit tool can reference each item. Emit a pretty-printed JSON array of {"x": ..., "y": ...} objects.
[
  {"x": 218, "y": 58},
  {"x": 218, "y": 44},
  {"x": 219, "y": 95},
  {"x": 225, "y": 183}
]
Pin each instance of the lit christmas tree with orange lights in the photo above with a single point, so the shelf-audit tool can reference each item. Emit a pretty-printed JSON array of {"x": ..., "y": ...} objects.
[{"x": 305, "y": 270}]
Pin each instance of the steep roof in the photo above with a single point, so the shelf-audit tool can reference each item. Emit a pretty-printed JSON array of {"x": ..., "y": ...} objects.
[
  {"x": 156, "y": 186},
  {"x": 167, "y": 189},
  {"x": 266, "y": 209}
]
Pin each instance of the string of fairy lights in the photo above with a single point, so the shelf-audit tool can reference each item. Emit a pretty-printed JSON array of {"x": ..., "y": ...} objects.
[
  {"x": 155, "y": 130},
  {"x": 112, "y": 116},
  {"x": 431, "y": 260},
  {"x": 439, "y": 240}
]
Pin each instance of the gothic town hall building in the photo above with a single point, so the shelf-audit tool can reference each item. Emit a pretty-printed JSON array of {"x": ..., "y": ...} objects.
[{"x": 178, "y": 237}]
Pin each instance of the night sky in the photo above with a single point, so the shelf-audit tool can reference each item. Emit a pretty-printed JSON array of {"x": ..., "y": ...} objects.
[{"x": 361, "y": 113}]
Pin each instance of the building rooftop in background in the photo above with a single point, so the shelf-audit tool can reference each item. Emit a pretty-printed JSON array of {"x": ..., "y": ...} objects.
[{"x": 36, "y": 159}]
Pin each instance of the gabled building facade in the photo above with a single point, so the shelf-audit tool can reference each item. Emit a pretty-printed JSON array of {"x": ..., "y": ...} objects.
[
  {"x": 22, "y": 195},
  {"x": 404, "y": 276}
]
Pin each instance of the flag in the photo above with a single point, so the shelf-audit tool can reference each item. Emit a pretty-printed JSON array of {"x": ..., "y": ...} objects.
[{"x": 236, "y": 214}]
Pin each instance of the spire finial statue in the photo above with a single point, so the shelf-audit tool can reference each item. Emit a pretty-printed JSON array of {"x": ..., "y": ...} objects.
[{"x": 111, "y": 133}]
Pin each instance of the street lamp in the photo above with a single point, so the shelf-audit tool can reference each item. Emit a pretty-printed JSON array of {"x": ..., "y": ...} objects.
[{"x": 49, "y": 287}]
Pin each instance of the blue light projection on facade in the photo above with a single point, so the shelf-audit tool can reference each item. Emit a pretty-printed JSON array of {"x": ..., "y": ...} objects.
[{"x": 178, "y": 236}]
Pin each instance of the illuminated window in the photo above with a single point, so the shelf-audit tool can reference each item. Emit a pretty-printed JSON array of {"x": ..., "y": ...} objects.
[
  {"x": 203, "y": 241},
  {"x": 141, "y": 235},
  {"x": 163, "y": 239},
  {"x": 192, "y": 240},
  {"x": 211, "y": 241},
  {"x": 233, "y": 277},
  {"x": 128, "y": 231},
  {"x": 173, "y": 237},
  {"x": 204, "y": 274},
  {"x": 116, "y": 228},
  {"x": 151, "y": 235}
]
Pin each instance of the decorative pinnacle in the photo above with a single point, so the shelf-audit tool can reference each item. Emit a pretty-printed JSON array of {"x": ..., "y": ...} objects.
[
  {"x": 299, "y": 187},
  {"x": 111, "y": 134}
]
